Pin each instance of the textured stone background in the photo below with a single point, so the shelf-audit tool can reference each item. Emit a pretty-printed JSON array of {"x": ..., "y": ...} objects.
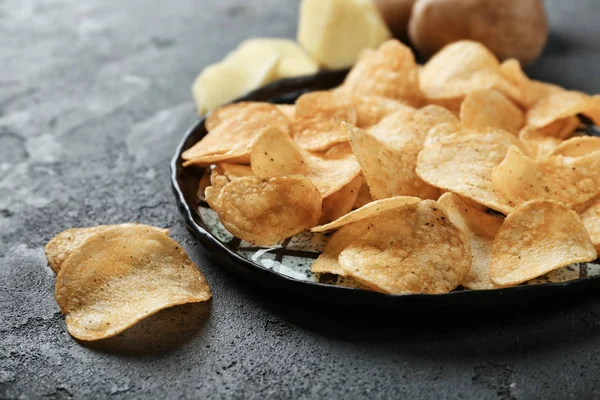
[{"x": 94, "y": 96}]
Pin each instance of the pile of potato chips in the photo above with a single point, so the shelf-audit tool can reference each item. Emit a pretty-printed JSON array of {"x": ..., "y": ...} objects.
[
  {"x": 110, "y": 277},
  {"x": 460, "y": 172}
]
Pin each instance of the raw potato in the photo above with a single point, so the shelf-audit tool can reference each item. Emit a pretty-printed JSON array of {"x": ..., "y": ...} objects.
[
  {"x": 396, "y": 14},
  {"x": 334, "y": 32},
  {"x": 510, "y": 29}
]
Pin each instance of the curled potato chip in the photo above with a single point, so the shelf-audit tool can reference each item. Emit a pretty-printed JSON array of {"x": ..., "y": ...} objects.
[
  {"x": 220, "y": 176},
  {"x": 591, "y": 221},
  {"x": 274, "y": 154},
  {"x": 341, "y": 202},
  {"x": 531, "y": 90},
  {"x": 480, "y": 228},
  {"x": 561, "y": 105},
  {"x": 318, "y": 118},
  {"x": 561, "y": 128},
  {"x": 122, "y": 275},
  {"x": 369, "y": 210},
  {"x": 391, "y": 72},
  {"x": 289, "y": 110},
  {"x": 569, "y": 180},
  {"x": 539, "y": 236},
  {"x": 413, "y": 250},
  {"x": 490, "y": 108},
  {"x": 538, "y": 145},
  {"x": 364, "y": 195},
  {"x": 463, "y": 162},
  {"x": 61, "y": 246},
  {"x": 265, "y": 212},
  {"x": 389, "y": 171},
  {"x": 233, "y": 171},
  {"x": 234, "y": 132},
  {"x": 463, "y": 67},
  {"x": 372, "y": 109},
  {"x": 577, "y": 146}
]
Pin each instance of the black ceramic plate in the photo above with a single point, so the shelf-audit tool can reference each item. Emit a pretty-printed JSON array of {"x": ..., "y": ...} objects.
[{"x": 287, "y": 265}]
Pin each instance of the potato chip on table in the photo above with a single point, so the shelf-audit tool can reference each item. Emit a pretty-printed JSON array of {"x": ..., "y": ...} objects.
[
  {"x": 121, "y": 275},
  {"x": 539, "y": 236}
]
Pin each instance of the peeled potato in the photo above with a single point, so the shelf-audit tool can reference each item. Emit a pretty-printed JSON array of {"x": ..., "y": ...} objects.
[
  {"x": 335, "y": 31},
  {"x": 510, "y": 29}
]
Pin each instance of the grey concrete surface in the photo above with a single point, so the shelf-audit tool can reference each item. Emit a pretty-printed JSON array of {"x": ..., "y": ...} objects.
[{"x": 94, "y": 96}]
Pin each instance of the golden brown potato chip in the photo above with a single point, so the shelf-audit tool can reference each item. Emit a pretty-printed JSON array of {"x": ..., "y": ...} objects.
[
  {"x": 490, "y": 108},
  {"x": 226, "y": 112},
  {"x": 569, "y": 180},
  {"x": 340, "y": 203},
  {"x": 462, "y": 163},
  {"x": 561, "y": 105},
  {"x": 264, "y": 212},
  {"x": 364, "y": 195},
  {"x": 372, "y": 109},
  {"x": 122, "y": 275},
  {"x": 327, "y": 262},
  {"x": 276, "y": 155},
  {"x": 289, "y": 110},
  {"x": 389, "y": 170},
  {"x": 531, "y": 90},
  {"x": 390, "y": 72},
  {"x": 577, "y": 146},
  {"x": 480, "y": 228},
  {"x": 591, "y": 221},
  {"x": 538, "y": 237},
  {"x": 220, "y": 176},
  {"x": 463, "y": 67},
  {"x": 413, "y": 250},
  {"x": 370, "y": 210},
  {"x": 318, "y": 118},
  {"x": 234, "y": 132},
  {"x": 537, "y": 144},
  {"x": 233, "y": 171},
  {"x": 61, "y": 246},
  {"x": 561, "y": 128}
]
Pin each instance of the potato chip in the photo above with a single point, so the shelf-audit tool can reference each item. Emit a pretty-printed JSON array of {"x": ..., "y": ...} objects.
[
  {"x": 227, "y": 112},
  {"x": 531, "y": 90},
  {"x": 372, "y": 109},
  {"x": 490, "y": 108},
  {"x": 276, "y": 155},
  {"x": 591, "y": 221},
  {"x": 414, "y": 250},
  {"x": 577, "y": 146},
  {"x": 318, "y": 118},
  {"x": 561, "y": 128},
  {"x": 569, "y": 180},
  {"x": 233, "y": 171},
  {"x": 61, "y": 246},
  {"x": 391, "y": 72},
  {"x": 122, "y": 275},
  {"x": 289, "y": 110},
  {"x": 218, "y": 180},
  {"x": 539, "y": 236},
  {"x": 538, "y": 145},
  {"x": 370, "y": 210},
  {"x": 480, "y": 228},
  {"x": 561, "y": 105},
  {"x": 341, "y": 202},
  {"x": 364, "y": 195},
  {"x": 264, "y": 212},
  {"x": 389, "y": 171},
  {"x": 232, "y": 138},
  {"x": 463, "y": 67},
  {"x": 462, "y": 163}
]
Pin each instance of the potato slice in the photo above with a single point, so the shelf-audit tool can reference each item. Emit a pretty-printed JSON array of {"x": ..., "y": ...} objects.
[
  {"x": 490, "y": 108},
  {"x": 480, "y": 228},
  {"x": 334, "y": 32},
  {"x": 61, "y": 246},
  {"x": 264, "y": 212},
  {"x": 569, "y": 180},
  {"x": 539, "y": 236},
  {"x": 414, "y": 250},
  {"x": 122, "y": 275}
]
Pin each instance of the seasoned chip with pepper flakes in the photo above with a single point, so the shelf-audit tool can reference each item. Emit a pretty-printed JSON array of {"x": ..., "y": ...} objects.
[
  {"x": 538, "y": 237},
  {"x": 390, "y": 72},
  {"x": 122, "y": 275},
  {"x": 65, "y": 243},
  {"x": 480, "y": 228},
  {"x": 234, "y": 131},
  {"x": 264, "y": 212},
  {"x": 414, "y": 250}
]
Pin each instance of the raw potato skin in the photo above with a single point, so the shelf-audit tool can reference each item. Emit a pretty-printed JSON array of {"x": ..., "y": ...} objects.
[
  {"x": 396, "y": 14},
  {"x": 509, "y": 28}
]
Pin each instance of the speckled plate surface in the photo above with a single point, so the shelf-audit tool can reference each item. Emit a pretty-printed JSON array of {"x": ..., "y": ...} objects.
[{"x": 287, "y": 265}]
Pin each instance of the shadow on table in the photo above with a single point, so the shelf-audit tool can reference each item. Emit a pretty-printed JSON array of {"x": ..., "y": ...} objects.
[{"x": 157, "y": 334}]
